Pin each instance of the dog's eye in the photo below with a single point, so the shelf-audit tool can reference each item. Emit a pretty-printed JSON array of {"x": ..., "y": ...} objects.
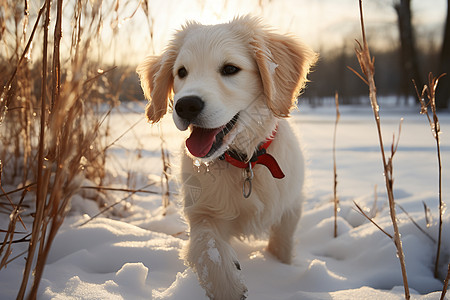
[
  {"x": 228, "y": 70},
  {"x": 182, "y": 72}
]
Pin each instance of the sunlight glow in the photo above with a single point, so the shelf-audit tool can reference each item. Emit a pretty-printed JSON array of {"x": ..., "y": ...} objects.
[{"x": 322, "y": 24}]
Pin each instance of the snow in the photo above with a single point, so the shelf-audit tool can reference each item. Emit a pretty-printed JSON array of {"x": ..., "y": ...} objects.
[
  {"x": 133, "y": 251},
  {"x": 213, "y": 253}
]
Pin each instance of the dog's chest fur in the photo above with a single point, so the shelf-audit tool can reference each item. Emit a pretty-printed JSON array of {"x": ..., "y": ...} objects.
[{"x": 216, "y": 190}]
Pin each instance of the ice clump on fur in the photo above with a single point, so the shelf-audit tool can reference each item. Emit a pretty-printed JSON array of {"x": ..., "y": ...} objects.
[
  {"x": 213, "y": 253},
  {"x": 272, "y": 67}
]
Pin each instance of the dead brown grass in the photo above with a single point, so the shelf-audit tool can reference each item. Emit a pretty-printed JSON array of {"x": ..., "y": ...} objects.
[{"x": 51, "y": 128}]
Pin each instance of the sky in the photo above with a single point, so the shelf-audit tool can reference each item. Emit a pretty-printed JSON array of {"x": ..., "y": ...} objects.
[{"x": 323, "y": 24}]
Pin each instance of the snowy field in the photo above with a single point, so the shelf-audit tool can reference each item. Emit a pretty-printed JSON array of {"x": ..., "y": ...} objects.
[{"x": 131, "y": 252}]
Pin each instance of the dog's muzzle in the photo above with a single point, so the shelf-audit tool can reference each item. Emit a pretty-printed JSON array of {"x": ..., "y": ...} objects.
[{"x": 203, "y": 142}]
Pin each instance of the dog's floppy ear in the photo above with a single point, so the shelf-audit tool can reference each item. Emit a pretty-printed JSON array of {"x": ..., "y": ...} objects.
[
  {"x": 155, "y": 73},
  {"x": 283, "y": 64}
]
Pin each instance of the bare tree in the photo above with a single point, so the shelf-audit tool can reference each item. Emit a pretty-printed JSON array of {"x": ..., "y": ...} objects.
[
  {"x": 443, "y": 91},
  {"x": 410, "y": 66}
]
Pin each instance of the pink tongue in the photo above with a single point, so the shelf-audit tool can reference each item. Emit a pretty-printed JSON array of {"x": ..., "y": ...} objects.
[{"x": 201, "y": 140}]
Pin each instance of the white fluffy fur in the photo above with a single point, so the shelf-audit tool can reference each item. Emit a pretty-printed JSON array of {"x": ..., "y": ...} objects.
[{"x": 273, "y": 70}]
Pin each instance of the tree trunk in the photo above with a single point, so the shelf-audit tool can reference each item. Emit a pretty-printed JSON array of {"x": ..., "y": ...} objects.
[
  {"x": 410, "y": 66},
  {"x": 443, "y": 89}
]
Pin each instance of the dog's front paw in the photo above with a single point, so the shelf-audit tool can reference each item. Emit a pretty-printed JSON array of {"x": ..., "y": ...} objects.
[
  {"x": 217, "y": 268},
  {"x": 224, "y": 282}
]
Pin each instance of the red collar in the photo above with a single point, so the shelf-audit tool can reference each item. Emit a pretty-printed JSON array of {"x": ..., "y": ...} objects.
[{"x": 259, "y": 157}]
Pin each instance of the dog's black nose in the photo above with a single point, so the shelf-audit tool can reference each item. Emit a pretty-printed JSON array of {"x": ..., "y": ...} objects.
[{"x": 189, "y": 107}]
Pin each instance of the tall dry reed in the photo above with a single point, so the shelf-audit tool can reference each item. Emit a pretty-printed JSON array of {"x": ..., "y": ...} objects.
[
  {"x": 429, "y": 92},
  {"x": 335, "y": 182},
  {"x": 367, "y": 64},
  {"x": 447, "y": 278}
]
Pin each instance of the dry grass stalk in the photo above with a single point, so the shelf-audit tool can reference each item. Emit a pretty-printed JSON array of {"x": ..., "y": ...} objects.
[
  {"x": 429, "y": 92},
  {"x": 444, "y": 289},
  {"x": 367, "y": 64},
  {"x": 166, "y": 171},
  {"x": 373, "y": 214},
  {"x": 42, "y": 180},
  {"x": 15, "y": 207},
  {"x": 415, "y": 223},
  {"x": 372, "y": 221},
  {"x": 335, "y": 197},
  {"x": 16, "y": 190},
  {"x": 428, "y": 216},
  {"x": 131, "y": 193},
  {"x": 8, "y": 240},
  {"x": 56, "y": 56},
  {"x": 119, "y": 189},
  {"x": 9, "y": 234},
  {"x": 20, "y": 130},
  {"x": 4, "y": 100}
]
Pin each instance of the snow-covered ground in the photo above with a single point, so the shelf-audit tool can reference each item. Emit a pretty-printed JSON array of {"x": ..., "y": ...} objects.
[{"x": 133, "y": 253}]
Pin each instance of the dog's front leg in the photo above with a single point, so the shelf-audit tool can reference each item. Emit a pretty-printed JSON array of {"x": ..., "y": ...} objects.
[{"x": 215, "y": 262}]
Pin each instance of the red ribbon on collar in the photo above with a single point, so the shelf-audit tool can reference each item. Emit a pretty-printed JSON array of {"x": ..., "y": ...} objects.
[{"x": 259, "y": 157}]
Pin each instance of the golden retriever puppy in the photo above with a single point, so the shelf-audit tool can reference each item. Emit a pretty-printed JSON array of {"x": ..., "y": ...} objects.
[{"x": 232, "y": 86}]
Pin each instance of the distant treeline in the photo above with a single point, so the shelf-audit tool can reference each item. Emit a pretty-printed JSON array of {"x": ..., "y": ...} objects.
[{"x": 332, "y": 74}]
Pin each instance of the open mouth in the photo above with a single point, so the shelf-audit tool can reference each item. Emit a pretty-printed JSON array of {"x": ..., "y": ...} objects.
[{"x": 203, "y": 142}]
